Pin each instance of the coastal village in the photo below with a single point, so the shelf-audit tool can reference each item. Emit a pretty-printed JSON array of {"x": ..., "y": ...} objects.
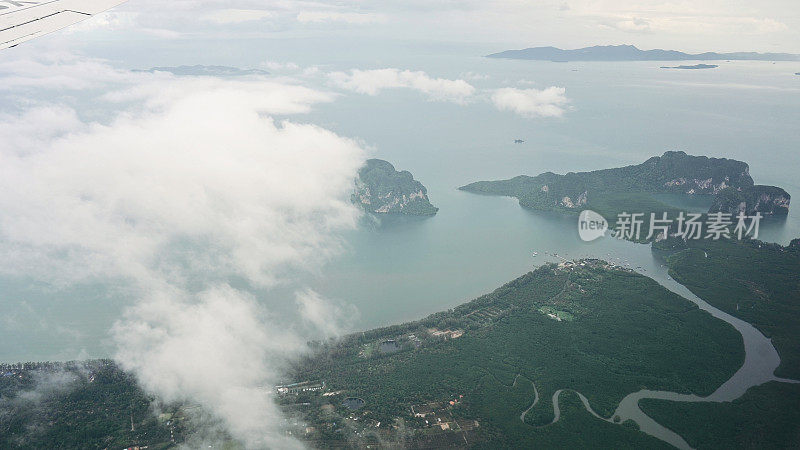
[
  {"x": 427, "y": 425},
  {"x": 329, "y": 411}
]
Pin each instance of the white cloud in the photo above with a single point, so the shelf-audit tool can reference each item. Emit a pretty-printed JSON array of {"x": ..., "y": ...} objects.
[
  {"x": 269, "y": 97},
  {"x": 475, "y": 76},
  {"x": 115, "y": 21},
  {"x": 333, "y": 16},
  {"x": 192, "y": 184},
  {"x": 531, "y": 102},
  {"x": 37, "y": 127},
  {"x": 161, "y": 33},
  {"x": 371, "y": 82},
  {"x": 768, "y": 25},
  {"x": 215, "y": 350},
  {"x": 108, "y": 20},
  {"x": 231, "y": 16},
  {"x": 64, "y": 71},
  {"x": 324, "y": 316},
  {"x": 185, "y": 170},
  {"x": 633, "y": 24},
  {"x": 700, "y": 24},
  {"x": 277, "y": 66}
]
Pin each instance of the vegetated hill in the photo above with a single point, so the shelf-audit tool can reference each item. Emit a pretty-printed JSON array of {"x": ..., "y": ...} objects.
[
  {"x": 585, "y": 326},
  {"x": 90, "y": 404},
  {"x": 631, "y": 189},
  {"x": 673, "y": 172},
  {"x": 631, "y": 53},
  {"x": 755, "y": 281},
  {"x": 381, "y": 189},
  {"x": 770, "y": 200}
]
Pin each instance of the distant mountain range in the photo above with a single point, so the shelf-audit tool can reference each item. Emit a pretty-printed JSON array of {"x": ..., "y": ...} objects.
[
  {"x": 212, "y": 71},
  {"x": 631, "y": 53}
]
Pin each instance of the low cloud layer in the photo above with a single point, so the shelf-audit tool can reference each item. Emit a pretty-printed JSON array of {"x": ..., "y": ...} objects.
[
  {"x": 325, "y": 317},
  {"x": 185, "y": 185},
  {"x": 333, "y": 16},
  {"x": 372, "y": 82},
  {"x": 192, "y": 184},
  {"x": 234, "y": 16},
  {"x": 549, "y": 102},
  {"x": 217, "y": 348},
  {"x": 201, "y": 167}
]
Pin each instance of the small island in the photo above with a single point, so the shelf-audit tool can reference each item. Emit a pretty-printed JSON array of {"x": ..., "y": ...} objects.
[
  {"x": 694, "y": 66},
  {"x": 381, "y": 189}
]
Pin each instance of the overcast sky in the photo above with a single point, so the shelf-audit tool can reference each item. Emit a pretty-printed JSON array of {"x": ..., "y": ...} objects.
[{"x": 703, "y": 25}]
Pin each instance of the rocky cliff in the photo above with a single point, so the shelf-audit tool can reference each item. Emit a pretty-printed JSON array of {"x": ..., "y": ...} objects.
[
  {"x": 768, "y": 200},
  {"x": 381, "y": 189}
]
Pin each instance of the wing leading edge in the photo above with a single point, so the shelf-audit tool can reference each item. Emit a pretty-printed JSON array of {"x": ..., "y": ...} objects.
[{"x": 21, "y": 21}]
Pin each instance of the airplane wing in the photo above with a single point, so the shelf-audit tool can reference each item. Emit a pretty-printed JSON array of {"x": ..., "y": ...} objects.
[{"x": 24, "y": 20}]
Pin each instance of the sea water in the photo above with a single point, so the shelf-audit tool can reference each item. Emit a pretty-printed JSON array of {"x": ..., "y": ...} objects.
[{"x": 393, "y": 269}]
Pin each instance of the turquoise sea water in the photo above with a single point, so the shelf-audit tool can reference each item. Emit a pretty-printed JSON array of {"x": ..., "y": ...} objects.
[{"x": 396, "y": 269}]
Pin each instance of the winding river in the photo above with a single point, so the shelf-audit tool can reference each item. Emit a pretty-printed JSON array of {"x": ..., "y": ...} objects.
[{"x": 761, "y": 360}]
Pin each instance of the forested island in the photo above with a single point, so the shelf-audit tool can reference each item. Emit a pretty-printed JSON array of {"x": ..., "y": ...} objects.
[
  {"x": 634, "y": 188},
  {"x": 381, "y": 189},
  {"x": 631, "y": 53}
]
